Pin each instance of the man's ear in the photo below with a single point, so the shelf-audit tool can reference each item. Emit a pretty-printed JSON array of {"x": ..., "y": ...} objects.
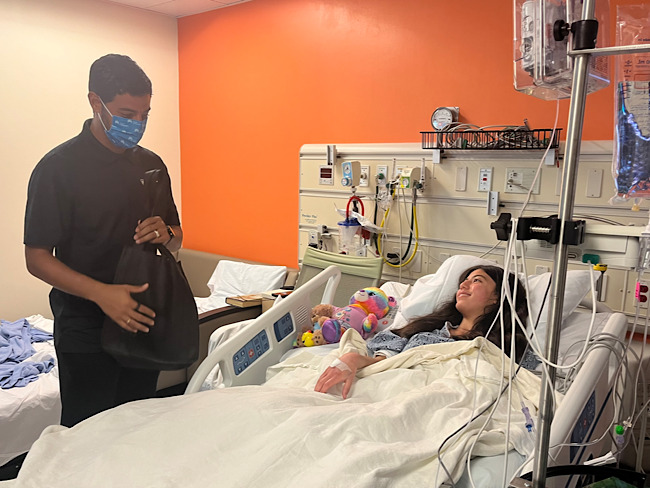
[{"x": 95, "y": 102}]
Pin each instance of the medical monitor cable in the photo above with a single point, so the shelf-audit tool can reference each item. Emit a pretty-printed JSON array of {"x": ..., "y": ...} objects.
[
  {"x": 441, "y": 464},
  {"x": 613, "y": 389},
  {"x": 504, "y": 296},
  {"x": 508, "y": 297}
]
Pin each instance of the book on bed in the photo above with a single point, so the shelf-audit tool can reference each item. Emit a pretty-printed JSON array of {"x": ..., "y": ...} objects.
[{"x": 245, "y": 300}]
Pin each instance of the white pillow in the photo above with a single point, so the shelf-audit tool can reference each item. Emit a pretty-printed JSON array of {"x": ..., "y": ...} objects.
[
  {"x": 431, "y": 290},
  {"x": 232, "y": 278},
  {"x": 577, "y": 285},
  {"x": 434, "y": 289}
]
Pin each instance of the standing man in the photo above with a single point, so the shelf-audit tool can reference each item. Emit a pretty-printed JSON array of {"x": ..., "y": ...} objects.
[{"x": 86, "y": 201}]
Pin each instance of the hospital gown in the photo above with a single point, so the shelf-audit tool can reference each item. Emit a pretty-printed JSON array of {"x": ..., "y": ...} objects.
[{"x": 388, "y": 344}]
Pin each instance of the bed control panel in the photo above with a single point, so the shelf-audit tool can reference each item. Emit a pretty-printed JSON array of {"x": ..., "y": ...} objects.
[
  {"x": 253, "y": 349},
  {"x": 583, "y": 427},
  {"x": 283, "y": 327}
]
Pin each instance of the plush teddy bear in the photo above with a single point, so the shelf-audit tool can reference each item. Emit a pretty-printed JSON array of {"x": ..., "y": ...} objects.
[
  {"x": 320, "y": 313},
  {"x": 366, "y": 307}
]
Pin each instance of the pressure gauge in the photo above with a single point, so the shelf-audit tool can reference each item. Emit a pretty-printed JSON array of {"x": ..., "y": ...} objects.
[{"x": 443, "y": 117}]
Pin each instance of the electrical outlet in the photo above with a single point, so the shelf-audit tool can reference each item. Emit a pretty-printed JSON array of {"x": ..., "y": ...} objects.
[
  {"x": 641, "y": 293},
  {"x": 314, "y": 237},
  {"x": 519, "y": 180}
]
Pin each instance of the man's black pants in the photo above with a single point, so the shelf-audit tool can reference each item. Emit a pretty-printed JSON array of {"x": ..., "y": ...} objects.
[{"x": 93, "y": 382}]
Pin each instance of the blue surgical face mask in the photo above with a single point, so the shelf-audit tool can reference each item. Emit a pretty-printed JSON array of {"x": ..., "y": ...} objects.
[{"x": 124, "y": 133}]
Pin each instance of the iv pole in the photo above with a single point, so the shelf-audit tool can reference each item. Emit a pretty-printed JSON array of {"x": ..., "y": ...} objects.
[{"x": 565, "y": 214}]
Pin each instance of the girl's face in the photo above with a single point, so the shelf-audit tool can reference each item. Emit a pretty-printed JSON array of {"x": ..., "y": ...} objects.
[{"x": 475, "y": 294}]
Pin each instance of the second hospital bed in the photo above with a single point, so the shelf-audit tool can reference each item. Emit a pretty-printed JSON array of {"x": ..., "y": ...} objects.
[{"x": 396, "y": 429}]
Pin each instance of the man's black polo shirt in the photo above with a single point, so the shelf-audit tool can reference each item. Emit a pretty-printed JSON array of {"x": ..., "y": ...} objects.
[{"x": 85, "y": 202}]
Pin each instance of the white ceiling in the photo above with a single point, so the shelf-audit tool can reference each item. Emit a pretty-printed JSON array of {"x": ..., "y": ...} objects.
[{"x": 178, "y": 8}]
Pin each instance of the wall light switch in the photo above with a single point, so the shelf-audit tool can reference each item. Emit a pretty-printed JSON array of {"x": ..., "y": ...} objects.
[
  {"x": 461, "y": 178},
  {"x": 594, "y": 183}
]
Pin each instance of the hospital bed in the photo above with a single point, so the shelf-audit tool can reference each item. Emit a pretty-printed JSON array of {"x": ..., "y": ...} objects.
[
  {"x": 284, "y": 434},
  {"x": 27, "y": 410},
  {"x": 584, "y": 415}
]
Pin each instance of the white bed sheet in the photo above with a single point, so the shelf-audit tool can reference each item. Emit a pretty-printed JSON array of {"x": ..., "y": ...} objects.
[
  {"x": 255, "y": 435},
  {"x": 486, "y": 471},
  {"x": 25, "y": 412}
]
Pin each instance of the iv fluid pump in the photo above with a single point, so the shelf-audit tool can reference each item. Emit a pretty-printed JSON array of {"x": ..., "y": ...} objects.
[{"x": 541, "y": 63}]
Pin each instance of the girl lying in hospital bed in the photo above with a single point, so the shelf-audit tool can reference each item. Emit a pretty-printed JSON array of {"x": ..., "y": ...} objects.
[
  {"x": 408, "y": 421},
  {"x": 473, "y": 312}
]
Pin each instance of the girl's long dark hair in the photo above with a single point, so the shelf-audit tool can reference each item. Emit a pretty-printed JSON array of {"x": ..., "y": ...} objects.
[{"x": 447, "y": 313}]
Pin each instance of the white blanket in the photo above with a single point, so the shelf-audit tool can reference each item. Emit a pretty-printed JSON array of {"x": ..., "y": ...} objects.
[{"x": 283, "y": 434}]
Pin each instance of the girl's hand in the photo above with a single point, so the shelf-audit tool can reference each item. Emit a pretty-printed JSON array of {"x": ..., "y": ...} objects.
[{"x": 344, "y": 373}]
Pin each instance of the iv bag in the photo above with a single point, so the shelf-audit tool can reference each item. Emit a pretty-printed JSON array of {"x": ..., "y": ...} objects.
[{"x": 631, "y": 162}]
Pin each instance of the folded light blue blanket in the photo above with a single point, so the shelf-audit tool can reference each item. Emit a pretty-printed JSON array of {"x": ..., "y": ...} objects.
[{"x": 15, "y": 346}]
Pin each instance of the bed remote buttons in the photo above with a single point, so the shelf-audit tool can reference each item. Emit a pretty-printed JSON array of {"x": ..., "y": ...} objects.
[{"x": 253, "y": 349}]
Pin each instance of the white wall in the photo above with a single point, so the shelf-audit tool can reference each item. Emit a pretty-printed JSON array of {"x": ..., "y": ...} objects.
[{"x": 46, "y": 49}]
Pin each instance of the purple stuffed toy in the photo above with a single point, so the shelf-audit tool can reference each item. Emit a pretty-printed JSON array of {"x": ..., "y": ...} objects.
[{"x": 366, "y": 307}]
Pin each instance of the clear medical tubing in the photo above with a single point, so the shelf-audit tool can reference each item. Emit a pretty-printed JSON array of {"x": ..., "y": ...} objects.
[{"x": 574, "y": 133}]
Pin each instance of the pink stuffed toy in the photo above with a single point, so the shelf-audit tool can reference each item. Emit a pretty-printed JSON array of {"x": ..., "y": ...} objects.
[{"x": 366, "y": 307}]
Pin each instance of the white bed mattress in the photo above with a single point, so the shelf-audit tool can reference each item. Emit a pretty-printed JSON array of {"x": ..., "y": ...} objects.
[{"x": 26, "y": 411}]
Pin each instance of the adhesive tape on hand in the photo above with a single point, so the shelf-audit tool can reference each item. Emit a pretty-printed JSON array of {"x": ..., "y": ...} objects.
[{"x": 337, "y": 363}]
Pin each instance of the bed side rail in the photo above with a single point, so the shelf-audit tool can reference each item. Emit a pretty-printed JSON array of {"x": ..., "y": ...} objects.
[
  {"x": 244, "y": 358},
  {"x": 587, "y": 409}
]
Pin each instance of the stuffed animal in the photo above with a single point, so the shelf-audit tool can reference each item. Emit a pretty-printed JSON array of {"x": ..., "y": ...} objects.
[
  {"x": 366, "y": 307},
  {"x": 310, "y": 337},
  {"x": 320, "y": 313}
]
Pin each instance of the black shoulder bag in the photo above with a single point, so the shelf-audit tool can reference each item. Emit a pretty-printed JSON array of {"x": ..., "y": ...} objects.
[{"x": 173, "y": 342}]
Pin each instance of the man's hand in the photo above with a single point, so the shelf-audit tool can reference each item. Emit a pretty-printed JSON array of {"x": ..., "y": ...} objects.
[
  {"x": 116, "y": 302},
  {"x": 152, "y": 229}
]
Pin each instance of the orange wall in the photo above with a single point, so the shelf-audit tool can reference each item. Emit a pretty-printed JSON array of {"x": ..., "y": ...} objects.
[{"x": 260, "y": 79}]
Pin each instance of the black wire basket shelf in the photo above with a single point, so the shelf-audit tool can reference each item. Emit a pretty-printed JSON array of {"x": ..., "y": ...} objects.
[{"x": 505, "y": 139}]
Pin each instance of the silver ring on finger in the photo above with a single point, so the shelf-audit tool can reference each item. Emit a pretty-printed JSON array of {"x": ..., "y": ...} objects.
[{"x": 157, "y": 233}]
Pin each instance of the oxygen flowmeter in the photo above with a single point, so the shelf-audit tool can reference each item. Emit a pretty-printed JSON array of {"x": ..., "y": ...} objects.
[{"x": 351, "y": 173}]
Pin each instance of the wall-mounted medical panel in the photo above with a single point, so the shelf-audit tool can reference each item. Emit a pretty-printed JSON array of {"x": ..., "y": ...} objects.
[{"x": 452, "y": 210}]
